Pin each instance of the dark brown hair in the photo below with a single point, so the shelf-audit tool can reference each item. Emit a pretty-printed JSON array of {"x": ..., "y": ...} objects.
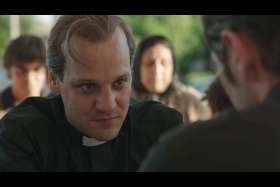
[{"x": 24, "y": 49}]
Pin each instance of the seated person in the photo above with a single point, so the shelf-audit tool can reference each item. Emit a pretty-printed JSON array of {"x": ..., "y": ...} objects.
[
  {"x": 246, "y": 138},
  {"x": 154, "y": 78},
  {"x": 90, "y": 125},
  {"x": 24, "y": 62}
]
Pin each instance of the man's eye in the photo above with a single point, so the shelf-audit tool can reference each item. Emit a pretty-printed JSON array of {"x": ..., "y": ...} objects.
[
  {"x": 120, "y": 83},
  {"x": 87, "y": 88}
]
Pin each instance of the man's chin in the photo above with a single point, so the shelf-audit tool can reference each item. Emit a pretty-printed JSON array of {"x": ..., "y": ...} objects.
[
  {"x": 106, "y": 134},
  {"x": 105, "y": 137}
]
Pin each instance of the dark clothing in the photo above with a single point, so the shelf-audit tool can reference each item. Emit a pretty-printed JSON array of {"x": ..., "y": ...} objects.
[
  {"x": 37, "y": 137},
  {"x": 7, "y": 99},
  {"x": 248, "y": 140}
]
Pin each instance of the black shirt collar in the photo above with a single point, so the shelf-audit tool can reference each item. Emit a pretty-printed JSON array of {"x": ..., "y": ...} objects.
[{"x": 8, "y": 99}]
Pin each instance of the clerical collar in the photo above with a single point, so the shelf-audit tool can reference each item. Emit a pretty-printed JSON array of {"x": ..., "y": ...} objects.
[{"x": 91, "y": 142}]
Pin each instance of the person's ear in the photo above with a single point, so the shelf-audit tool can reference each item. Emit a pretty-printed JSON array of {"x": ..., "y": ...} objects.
[
  {"x": 53, "y": 83},
  {"x": 243, "y": 57}
]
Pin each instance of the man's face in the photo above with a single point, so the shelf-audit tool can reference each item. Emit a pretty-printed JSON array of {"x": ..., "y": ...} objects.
[
  {"x": 156, "y": 68},
  {"x": 28, "y": 78},
  {"x": 95, "y": 90}
]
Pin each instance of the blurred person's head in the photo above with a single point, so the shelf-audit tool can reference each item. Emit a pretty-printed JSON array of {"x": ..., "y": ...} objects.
[
  {"x": 154, "y": 65},
  {"x": 24, "y": 61},
  {"x": 89, "y": 60},
  {"x": 247, "y": 49},
  {"x": 217, "y": 98}
]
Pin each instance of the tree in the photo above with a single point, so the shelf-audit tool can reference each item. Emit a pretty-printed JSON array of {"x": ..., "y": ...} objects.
[
  {"x": 184, "y": 31},
  {"x": 29, "y": 24},
  {"x": 4, "y": 32}
]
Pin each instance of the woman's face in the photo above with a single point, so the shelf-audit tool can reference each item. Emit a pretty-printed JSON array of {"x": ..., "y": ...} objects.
[{"x": 156, "y": 68}]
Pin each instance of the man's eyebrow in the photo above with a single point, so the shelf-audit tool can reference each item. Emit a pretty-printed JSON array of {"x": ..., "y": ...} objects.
[
  {"x": 83, "y": 81},
  {"x": 125, "y": 75}
]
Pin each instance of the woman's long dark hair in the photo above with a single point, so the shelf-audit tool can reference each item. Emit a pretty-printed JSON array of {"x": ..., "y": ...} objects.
[{"x": 142, "y": 47}]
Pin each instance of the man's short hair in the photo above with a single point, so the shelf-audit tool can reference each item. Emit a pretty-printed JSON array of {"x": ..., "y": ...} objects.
[
  {"x": 94, "y": 28},
  {"x": 263, "y": 30},
  {"x": 217, "y": 97},
  {"x": 24, "y": 49}
]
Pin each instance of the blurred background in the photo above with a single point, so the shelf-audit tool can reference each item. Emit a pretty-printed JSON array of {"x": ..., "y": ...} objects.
[{"x": 184, "y": 31}]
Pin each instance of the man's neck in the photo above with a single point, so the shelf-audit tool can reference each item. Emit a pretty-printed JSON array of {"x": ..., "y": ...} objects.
[
  {"x": 266, "y": 88},
  {"x": 89, "y": 142}
]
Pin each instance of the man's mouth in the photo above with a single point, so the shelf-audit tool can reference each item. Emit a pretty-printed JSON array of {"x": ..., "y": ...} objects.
[{"x": 105, "y": 119}]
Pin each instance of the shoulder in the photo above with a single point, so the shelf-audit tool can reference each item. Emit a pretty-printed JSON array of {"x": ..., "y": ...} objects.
[
  {"x": 33, "y": 115},
  {"x": 204, "y": 131},
  {"x": 227, "y": 142},
  {"x": 188, "y": 148},
  {"x": 154, "y": 117},
  {"x": 31, "y": 108},
  {"x": 25, "y": 135},
  {"x": 155, "y": 111},
  {"x": 186, "y": 90},
  {"x": 6, "y": 99}
]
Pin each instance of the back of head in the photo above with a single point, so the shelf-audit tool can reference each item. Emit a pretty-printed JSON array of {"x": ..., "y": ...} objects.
[
  {"x": 145, "y": 44},
  {"x": 24, "y": 49},
  {"x": 263, "y": 30},
  {"x": 94, "y": 28}
]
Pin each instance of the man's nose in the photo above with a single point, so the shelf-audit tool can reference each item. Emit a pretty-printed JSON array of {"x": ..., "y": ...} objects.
[
  {"x": 30, "y": 76},
  {"x": 106, "y": 101}
]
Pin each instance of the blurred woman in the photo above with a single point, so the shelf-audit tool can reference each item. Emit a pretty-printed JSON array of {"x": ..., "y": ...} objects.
[{"x": 154, "y": 78}]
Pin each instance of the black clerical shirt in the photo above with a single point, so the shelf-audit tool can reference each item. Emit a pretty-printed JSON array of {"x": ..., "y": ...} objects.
[{"x": 35, "y": 136}]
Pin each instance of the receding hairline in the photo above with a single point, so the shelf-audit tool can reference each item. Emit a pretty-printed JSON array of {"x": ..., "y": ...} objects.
[{"x": 69, "y": 51}]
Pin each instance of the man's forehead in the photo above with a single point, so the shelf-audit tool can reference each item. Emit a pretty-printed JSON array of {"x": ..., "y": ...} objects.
[
  {"x": 99, "y": 79},
  {"x": 74, "y": 50}
]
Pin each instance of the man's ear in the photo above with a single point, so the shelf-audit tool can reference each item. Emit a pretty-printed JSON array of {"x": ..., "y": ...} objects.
[
  {"x": 244, "y": 59},
  {"x": 53, "y": 83}
]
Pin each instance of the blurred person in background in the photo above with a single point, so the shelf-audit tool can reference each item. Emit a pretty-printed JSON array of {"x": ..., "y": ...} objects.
[
  {"x": 25, "y": 65},
  {"x": 154, "y": 78},
  {"x": 217, "y": 98}
]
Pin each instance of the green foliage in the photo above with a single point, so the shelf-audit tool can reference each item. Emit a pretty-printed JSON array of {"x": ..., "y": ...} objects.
[
  {"x": 184, "y": 31},
  {"x": 4, "y": 32},
  {"x": 28, "y": 25},
  {"x": 200, "y": 80}
]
